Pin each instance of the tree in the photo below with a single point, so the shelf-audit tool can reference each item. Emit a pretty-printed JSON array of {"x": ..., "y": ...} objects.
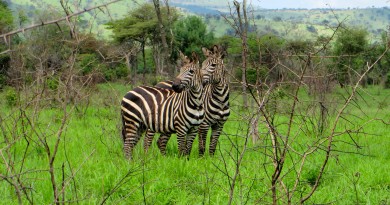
[
  {"x": 6, "y": 22},
  {"x": 6, "y": 19},
  {"x": 141, "y": 25},
  {"x": 191, "y": 35},
  {"x": 242, "y": 29},
  {"x": 350, "y": 44},
  {"x": 381, "y": 72}
]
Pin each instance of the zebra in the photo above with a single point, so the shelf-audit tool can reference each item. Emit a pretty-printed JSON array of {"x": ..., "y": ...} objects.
[
  {"x": 177, "y": 110},
  {"x": 216, "y": 103}
]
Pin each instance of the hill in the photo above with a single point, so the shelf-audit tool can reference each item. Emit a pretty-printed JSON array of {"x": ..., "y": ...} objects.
[{"x": 287, "y": 23}]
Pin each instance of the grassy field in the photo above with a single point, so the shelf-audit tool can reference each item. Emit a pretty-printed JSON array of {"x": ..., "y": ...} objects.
[{"x": 91, "y": 167}]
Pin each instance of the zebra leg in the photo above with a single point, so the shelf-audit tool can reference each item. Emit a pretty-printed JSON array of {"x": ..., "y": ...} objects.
[
  {"x": 216, "y": 131},
  {"x": 162, "y": 143},
  {"x": 148, "y": 140},
  {"x": 190, "y": 139},
  {"x": 203, "y": 129},
  {"x": 131, "y": 137},
  {"x": 181, "y": 141}
]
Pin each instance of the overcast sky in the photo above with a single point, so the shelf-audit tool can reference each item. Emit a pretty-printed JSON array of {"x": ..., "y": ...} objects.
[{"x": 309, "y": 4}]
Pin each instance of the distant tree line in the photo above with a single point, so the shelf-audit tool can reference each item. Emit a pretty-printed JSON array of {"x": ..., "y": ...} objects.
[{"x": 136, "y": 49}]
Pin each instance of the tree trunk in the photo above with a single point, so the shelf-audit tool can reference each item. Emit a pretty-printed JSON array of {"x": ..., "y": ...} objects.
[
  {"x": 165, "y": 49},
  {"x": 243, "y": 28},
  {"x": 144, "y": 60}
]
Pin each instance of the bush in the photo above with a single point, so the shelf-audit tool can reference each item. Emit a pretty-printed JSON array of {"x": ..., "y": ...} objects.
[
  {"x": 387, "y": 83},
  {"x": 3, "y": 81},
  {"x": 251, "y": 74},
  {"x": 87, "y": 63},
  {"x": 11, "y": 97},
  {"x": 121, "y": 71},
  {"x": 52, "y": 83},
  {"x": 109, "y": 74}
]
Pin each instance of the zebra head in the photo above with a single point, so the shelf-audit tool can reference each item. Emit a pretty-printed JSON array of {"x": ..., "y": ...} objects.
[
  {"x": 214, "y": 63},
  {"x": 190, "y": 73}
]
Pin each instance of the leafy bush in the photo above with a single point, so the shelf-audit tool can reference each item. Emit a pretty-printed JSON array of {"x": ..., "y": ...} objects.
[
  {"x": 2, "y": 80},
  {"x": 121, "y": 71},
  {"x": 52, "y": 83},
  {"x": 11, "y": 97},
  {"x": 251, "y": 74},
  {"x": 387, "y": 83},
  {"x": 87, "y": 63}
]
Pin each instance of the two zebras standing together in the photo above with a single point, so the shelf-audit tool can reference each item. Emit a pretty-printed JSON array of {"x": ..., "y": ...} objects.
[{"x": 196, "y": 100}]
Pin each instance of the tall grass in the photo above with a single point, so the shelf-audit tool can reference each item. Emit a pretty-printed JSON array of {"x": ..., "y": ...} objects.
[{"x": 91, "y": 166}]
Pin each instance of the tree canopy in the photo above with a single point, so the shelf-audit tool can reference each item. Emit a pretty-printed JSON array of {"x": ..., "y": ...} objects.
[
  {"x": 140, "y": 24},
  {"x": 6, "y": 19},
  {"x": 350, "y": 45},
  {"x": 191, "y": 35}
]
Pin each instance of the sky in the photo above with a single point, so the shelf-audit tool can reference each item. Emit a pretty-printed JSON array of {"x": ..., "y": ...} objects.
[{"x": 310, "y": 4}]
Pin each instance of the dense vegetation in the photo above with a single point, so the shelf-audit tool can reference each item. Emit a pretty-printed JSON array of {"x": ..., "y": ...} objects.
[{"x": 309, "y": 116}]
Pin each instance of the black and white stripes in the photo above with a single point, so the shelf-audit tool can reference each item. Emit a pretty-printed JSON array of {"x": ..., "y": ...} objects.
[
  {"x": 216, "y": 103},
  {"x": 166, "y": 111}
]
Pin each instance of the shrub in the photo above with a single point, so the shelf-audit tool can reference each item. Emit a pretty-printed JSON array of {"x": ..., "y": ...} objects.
[
  {"x": 387, "y": 82},
  {"x": 251, "y": 74},
  {"x": 52, "y": 83},
  {"x": 87, "y": 63},
  {"x": 2, "y": 81},
  {"x": 121, "y": 71},
  {"x": 11, "y": 97}
]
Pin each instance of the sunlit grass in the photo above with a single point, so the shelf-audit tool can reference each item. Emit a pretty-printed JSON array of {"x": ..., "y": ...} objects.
[{"x": 90, "y": 153}]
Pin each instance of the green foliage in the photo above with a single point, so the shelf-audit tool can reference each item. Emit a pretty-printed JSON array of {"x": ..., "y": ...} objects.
[
  {"x": 387, "y": 82},
  {"x": 11, "y": 97},
  {"x": 137, "y": 25},
  {"x": 299, "y": 46},
  {"x": 52, "y": 83},
  {"x": 6, "y": 20},
  {"x": 3, "y": 80},
  {"x": 4, "y": 65},
  {"x": 87, "y": 63},
  {"x": 109, "y": 74},
  {"x": 121, "y": 71},
  {"x": 351, "y": 42},
  {"x": 232, "y": 44},
  {"x": 6, "y": 24},
  {"x": 253, "y": 74},
  {"x": 191, "y": 35},
  {"x": 140, "y": 24}
]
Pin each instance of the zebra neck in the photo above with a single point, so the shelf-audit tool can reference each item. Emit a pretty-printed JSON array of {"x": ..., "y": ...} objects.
[
  {"x": 196, "y": 96},
  {"x": 220, "y": 93},
  {"x": 219, "y": 88}
]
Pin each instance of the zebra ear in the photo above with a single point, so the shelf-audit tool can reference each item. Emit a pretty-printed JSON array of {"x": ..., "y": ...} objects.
[
  {"x": 182, "y": 56},
  {"x": 206, "y": 52},
  {"x": 184, "y": 59},
  {"x": 195, "y": 57},
  {"x": 223, "y": 51},
  {"x": 219, "y": 51},
  {"x": 216, "y": 49}
]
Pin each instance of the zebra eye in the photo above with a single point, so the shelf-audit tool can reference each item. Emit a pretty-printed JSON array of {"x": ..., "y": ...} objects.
[
  {"x": 214, "y": 64},
  {"x": 191, "y": 71}
]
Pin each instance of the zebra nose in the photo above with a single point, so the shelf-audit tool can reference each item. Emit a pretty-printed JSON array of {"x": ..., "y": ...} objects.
[{"x": 177, "y": 87}]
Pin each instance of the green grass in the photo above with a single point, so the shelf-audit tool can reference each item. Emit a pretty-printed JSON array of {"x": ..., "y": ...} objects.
[{"x": 91, "y": 151}]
